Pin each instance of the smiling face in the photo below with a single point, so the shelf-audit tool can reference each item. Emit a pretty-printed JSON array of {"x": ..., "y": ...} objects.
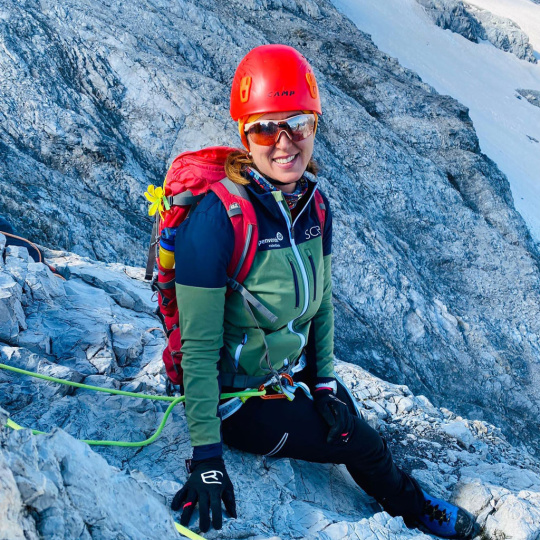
[{"x": 285, "y": 161}]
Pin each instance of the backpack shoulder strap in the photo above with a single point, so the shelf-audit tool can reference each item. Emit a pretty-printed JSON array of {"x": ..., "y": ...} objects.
[
  {"x": 246, "y": 236},
  {"x": 244, "y": 221},
  {"x": 320, "y": 208},
  {"x": 235, "y": 189}
]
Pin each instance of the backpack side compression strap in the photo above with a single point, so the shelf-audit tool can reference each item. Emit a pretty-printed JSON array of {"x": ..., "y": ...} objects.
[
  {"x": 248, "y": 297},
  {"x": 152, "y": 250}
]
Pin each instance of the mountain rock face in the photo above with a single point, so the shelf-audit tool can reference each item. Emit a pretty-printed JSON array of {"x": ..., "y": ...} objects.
[
  {"x": 436, "y": 278},
  {"x": 532, "y": 96},
  {"x": 95, "y": 326},
  {"x": 477, "y": 24}
]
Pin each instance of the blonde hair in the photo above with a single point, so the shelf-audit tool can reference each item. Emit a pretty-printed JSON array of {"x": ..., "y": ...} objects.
[{"x": 240, "y": 159}]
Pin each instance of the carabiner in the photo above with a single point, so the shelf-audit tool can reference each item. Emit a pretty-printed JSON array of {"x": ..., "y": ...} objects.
[{"x": 289, "y": 380}]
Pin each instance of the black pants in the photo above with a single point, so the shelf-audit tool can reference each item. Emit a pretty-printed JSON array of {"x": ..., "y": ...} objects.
[{"x": 294, "y": 429}]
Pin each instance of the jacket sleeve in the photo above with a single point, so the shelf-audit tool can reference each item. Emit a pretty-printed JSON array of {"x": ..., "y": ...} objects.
[
  {"x": 323, "y": 321},
  {"x": 204, "y": 246}
]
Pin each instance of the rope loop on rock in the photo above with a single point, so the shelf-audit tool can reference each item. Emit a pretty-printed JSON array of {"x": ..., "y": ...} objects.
[{"x": 173, "y": 402}]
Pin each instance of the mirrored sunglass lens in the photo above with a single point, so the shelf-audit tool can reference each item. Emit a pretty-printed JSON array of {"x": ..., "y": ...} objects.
[
  {"x": 263, "y": 132},
  {"x": 301, "y": 127}
]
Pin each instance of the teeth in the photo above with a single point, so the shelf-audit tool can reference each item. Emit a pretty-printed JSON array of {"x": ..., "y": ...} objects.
[{"x": 285, "y": 160}]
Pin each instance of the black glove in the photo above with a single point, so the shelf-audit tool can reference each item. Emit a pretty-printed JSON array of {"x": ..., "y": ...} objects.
[
  {"x": 208, "y": 484},
  {"x": 336, "y": 414}
]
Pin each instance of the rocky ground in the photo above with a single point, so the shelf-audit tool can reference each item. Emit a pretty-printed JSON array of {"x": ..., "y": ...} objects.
[
  {"x": 96, "y": 325},
  {"x": 436, "y": 274}
]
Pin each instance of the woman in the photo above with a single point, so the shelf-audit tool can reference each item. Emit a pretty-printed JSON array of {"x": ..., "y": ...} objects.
[{"x": 226, "y": 344}]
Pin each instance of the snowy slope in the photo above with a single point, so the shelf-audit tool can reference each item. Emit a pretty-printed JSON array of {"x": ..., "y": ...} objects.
[{"x": 480, "y": 76}]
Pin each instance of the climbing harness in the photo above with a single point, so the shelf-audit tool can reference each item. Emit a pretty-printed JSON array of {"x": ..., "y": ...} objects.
[{"x": 282, "y": 383}]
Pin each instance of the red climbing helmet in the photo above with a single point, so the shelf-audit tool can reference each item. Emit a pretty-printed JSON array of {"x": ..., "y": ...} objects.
[{"x": 273, "y": 78}]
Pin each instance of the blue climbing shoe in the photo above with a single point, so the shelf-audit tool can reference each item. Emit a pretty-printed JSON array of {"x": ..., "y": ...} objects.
[{"x": 446, "y": 520}]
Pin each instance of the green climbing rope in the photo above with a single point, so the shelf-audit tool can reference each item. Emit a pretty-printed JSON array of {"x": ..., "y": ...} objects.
[
  {"x": 124, "y": 444},
  {"x": 173, "y": 402},
  {"x": 186, "y": 532}
]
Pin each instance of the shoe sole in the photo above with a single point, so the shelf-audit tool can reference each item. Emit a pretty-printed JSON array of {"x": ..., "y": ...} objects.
[{"x": 473, "y": 531}]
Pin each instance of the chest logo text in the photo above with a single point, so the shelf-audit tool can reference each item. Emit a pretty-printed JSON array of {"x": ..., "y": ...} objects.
[{"x": 313, "y": 232}]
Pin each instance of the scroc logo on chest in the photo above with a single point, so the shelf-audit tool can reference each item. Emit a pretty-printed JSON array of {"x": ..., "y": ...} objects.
[{"x": 313, "y": 232}]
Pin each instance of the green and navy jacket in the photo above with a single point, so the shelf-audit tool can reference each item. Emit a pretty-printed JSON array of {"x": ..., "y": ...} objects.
[{"x": 290, "y": 275}]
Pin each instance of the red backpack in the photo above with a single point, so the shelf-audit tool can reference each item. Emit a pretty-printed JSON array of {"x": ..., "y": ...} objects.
[{"x": 191, "y": 176}]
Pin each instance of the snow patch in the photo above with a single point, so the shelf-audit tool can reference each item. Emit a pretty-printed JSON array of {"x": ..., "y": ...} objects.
[{"x": 480, "y": 76}]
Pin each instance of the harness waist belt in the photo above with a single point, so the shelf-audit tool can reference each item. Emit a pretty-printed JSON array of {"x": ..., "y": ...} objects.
[{"x": 241, "y": 380}]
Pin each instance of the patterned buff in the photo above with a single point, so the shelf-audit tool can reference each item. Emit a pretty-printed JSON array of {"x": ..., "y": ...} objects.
[{"x": 291, "y": 198}]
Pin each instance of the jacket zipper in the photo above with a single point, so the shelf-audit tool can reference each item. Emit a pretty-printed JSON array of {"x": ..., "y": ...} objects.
[
  {"x": 314, "y": 277},
  {"x": 239, "y": 351},
  {"x": 296, "y": 286},
  {"x": 290, "y": 229}
]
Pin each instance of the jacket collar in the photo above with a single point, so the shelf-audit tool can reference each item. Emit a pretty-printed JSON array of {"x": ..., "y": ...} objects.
[{"x": 268, "y": 200}]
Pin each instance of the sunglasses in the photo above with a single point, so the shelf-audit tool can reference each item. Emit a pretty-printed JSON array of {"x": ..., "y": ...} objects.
[{"x": 267, "y": 132}]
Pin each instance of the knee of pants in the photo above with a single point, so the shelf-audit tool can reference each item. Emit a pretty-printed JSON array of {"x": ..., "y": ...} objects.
[{"x": 368, "y": 450}]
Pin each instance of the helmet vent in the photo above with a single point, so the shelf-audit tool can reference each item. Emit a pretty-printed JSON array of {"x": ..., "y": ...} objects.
[
  {"x": 312, "y": 83},
  {"x": 245, "y": 86}
]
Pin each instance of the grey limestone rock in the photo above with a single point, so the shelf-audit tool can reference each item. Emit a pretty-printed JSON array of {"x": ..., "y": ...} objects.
[
  {"x": 14, "y": 521},
  {"x": 73, "y": 493},
  {"x": 453, "y": 15},
  {"x": 436, "y": 277},
  {"x": 54, "y": 486},
  {"x": 4, "y": 415},
  {"x": 477, "y": 24},
  {"x": 532, "y": 96},
  {"x": 504, "y": 34},
  {"x": 12, "y": 317}
]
